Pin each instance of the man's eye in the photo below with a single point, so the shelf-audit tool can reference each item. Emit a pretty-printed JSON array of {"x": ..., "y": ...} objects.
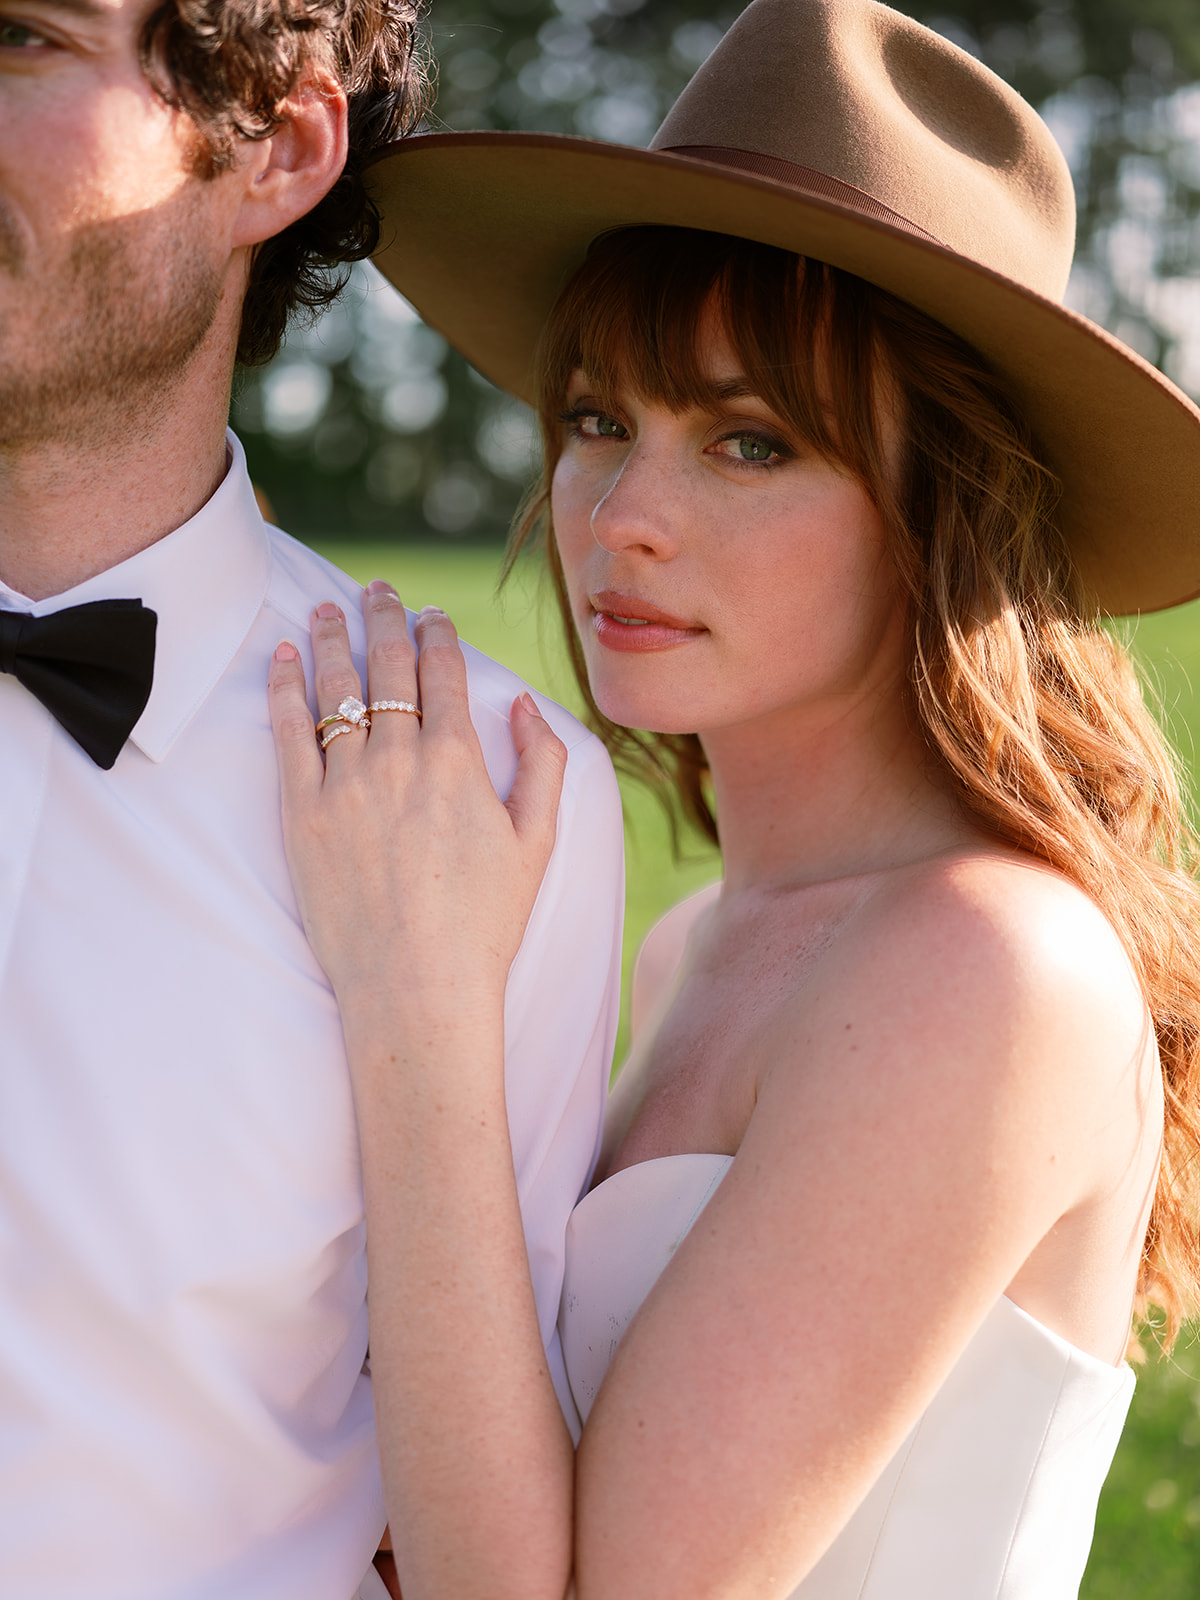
[{"x": 16, "y": 36}]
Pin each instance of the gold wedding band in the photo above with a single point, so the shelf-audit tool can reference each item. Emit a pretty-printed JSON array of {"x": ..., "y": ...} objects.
[{"x": 396, "y": 705}]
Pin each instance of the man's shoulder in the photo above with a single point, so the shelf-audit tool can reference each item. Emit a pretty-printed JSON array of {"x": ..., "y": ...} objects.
[{"x": 301, "y": 578}]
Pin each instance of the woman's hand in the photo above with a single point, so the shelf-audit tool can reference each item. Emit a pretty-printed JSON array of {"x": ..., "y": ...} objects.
[{"x": 409, "y": 869}]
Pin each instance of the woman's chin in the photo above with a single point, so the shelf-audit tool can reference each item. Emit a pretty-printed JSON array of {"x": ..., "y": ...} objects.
[{"x": 650, "y": 716}]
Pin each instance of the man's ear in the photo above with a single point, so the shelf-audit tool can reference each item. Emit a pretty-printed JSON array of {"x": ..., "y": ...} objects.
[{"x": 292, "y": 171}]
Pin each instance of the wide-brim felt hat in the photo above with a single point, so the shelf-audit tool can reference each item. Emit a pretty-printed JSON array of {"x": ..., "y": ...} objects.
[{"x": 844, "y": 131}]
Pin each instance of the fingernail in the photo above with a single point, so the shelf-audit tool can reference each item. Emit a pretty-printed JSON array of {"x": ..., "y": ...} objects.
[
  {"x": 530, "y": 705},
  {"x": 379, "y": 586},
  {"x": 327, "y": 609},
  {"x": 285, "y": 650},
  {"x": 432, "y": 611}
]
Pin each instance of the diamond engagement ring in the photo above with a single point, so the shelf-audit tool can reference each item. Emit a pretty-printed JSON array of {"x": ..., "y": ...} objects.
[
  {"x": 351, "y": 710},
  {"x": 351, "y": 714},
  {"x": 396, "y": 705}
]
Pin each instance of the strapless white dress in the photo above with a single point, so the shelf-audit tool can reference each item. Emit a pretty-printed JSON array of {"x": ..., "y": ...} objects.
[{"x": 993, "y": 1494}]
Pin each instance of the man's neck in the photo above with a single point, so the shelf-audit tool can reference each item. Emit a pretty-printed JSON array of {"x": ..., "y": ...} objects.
[
  {"x": 65, "y": 515},
  {"x": 74, "y": 506}
]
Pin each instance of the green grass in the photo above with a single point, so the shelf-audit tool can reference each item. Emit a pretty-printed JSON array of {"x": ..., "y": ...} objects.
[
  {"x": 1167, "y": 644},
  {"x": 1148, "y": 1529}
]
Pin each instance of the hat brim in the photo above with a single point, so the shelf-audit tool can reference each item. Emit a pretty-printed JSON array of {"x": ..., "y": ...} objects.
[{"x": 482, "y": 231}]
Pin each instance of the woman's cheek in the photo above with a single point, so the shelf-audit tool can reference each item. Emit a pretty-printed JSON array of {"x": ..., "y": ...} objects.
[{"x": 570, "y": 510}]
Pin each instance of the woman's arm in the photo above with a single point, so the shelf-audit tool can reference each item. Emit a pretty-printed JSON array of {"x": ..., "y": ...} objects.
[
  {"x": 415, "y": 883},
  {"x": 477, "y": 1460}
]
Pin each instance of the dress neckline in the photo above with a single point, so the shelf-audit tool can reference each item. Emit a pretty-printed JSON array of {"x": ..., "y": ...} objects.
[{"x": 1121, "y": 1369}]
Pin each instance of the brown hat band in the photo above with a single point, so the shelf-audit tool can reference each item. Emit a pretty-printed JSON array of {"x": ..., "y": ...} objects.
[{"x": 807, "y": 179}]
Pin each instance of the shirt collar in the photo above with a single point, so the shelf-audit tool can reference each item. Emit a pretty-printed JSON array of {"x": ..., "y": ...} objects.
[{"x": 207, "y": 582}]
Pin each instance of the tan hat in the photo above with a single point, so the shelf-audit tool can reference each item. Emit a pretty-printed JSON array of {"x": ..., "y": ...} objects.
[{"x": 844, "y": 131}]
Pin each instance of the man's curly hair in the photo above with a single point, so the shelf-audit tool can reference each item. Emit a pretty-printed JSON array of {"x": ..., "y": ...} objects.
[{"x": 230, "y": 63}]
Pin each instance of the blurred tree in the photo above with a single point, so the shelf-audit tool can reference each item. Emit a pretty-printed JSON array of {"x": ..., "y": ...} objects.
[{"x": 368, "y": 426}]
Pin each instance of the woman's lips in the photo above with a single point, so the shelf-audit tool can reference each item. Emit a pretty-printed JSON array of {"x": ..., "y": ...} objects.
[{"x": 623, "y": 622}]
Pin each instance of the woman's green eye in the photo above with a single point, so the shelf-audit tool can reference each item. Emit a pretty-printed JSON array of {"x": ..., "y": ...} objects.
[
  {"x": 752, "y": 449},
  {"x": 607, "y": 428}
]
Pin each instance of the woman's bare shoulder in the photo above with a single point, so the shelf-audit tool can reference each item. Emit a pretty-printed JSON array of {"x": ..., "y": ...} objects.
[
  {"x": 661, "y": 952},
  {"x": 992, "y": 941},
  {"x": 1001, "y": 904}
]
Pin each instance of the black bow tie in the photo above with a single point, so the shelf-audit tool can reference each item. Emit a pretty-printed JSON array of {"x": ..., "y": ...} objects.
[{"x": 91, "y": 666}]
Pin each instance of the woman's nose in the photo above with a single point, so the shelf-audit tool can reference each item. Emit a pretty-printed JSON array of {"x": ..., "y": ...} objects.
[{"x": 640, "y": 508}]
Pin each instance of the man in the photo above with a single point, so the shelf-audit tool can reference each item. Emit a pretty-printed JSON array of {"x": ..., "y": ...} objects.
[{"x": 184, "y": 1413}]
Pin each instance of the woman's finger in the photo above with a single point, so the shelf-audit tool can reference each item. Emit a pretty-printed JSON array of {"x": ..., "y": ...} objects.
[
  {"x": 335, "y": 679},
  {"x": 541, "y": 762},
  {"x": 441, "y": 673},
  {"x": 391, "y": 664},
  {"x": 300, "y": 766}
]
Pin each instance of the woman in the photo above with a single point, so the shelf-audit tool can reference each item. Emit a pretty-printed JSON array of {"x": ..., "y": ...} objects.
[{"x": 911, "y": 1131}]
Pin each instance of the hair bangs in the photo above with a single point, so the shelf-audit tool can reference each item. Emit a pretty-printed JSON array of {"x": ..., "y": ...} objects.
[{"x": 636, "y": 316}]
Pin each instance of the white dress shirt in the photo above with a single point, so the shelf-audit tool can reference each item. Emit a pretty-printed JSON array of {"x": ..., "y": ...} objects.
[{"x": 183, "y": 1409}]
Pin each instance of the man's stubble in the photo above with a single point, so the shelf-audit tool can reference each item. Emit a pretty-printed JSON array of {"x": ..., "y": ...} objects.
[{"x": 91, "y": 353}]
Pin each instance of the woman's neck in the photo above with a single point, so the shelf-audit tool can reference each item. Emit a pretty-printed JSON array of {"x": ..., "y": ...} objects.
[{"x": 829, "y": 792}]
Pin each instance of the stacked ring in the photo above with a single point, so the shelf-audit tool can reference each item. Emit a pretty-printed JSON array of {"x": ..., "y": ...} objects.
[
  {"x": 349, "y": 715},
  {"x": 352, "y": 714},
  {"x": 396, "y": 705},
  {"x": 343, "y": 727}
]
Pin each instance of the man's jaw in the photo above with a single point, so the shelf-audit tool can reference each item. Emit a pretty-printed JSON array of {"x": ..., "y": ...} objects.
[{"x": 91, "y": 361}]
